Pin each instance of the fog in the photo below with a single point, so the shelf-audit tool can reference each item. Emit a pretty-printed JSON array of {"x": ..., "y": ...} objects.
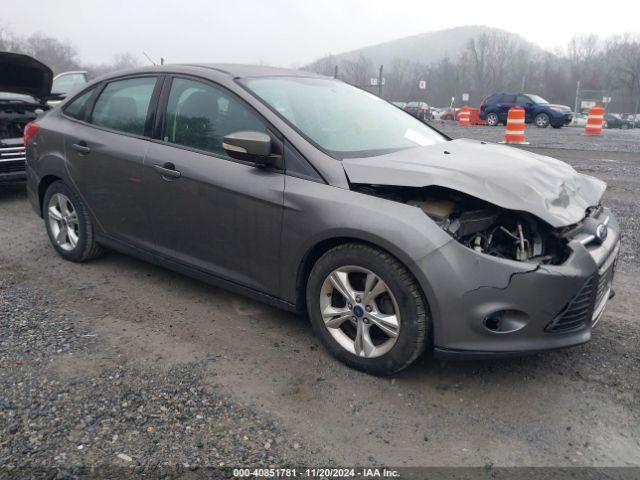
[{"x": 291, "y": 32}]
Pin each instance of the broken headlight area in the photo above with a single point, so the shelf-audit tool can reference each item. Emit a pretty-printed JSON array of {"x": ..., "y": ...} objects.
[{"x": 481, "y": 226}]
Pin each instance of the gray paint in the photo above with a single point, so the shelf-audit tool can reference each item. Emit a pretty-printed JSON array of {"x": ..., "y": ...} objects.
[
  {"x": 226, "y": 221},
  {"x": 508, "y": 177}
]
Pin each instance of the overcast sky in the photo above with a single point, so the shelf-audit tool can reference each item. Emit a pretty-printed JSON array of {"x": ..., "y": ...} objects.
[{"x": 293, "y": 32}]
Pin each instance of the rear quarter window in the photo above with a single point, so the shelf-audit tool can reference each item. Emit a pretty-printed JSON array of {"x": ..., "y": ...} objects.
[{"x": 77, "y": 108}]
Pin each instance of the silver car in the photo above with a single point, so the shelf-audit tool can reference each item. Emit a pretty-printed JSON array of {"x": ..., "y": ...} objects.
[{"x": 323, "y": 199}]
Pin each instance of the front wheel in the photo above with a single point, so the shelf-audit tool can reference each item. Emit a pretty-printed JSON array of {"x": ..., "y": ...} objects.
[
  {"x": 542, "y": 120},
  {"x": 69, "y": 226},
  {"x": 367, "y": 309}
]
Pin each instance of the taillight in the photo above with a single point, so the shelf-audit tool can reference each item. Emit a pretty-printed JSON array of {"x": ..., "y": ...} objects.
[{"x": 30, "y": 131}]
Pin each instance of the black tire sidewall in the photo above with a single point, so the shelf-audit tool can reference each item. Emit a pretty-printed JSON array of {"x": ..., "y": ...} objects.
[
  {"x": 77, "y": 254},
  {"x": 404, "y": 349},
  {"x": 497, "y": 122}
]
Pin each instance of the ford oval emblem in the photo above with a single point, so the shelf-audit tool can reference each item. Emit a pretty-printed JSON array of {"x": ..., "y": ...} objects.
[{"x": 601, "y": 232}]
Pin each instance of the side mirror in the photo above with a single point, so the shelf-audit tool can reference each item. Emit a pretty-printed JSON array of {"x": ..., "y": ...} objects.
[{"x": 252, "y": 147}]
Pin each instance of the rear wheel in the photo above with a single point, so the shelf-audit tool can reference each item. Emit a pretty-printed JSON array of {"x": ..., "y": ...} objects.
[
  {"x": 68, "y": 224},
  {"x": 493, "y": 120},
  {"x": 542, "y": 120},
  {"x": 367, "y": 309}
]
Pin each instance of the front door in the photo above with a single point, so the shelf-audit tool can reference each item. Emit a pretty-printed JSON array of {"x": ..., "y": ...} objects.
[{"x": 209, "y": 211}]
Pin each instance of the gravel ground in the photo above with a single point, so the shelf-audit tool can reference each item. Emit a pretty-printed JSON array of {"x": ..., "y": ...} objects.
[
  {"x": 66, "y": 401},
  {"x": 569, "y": 138}
]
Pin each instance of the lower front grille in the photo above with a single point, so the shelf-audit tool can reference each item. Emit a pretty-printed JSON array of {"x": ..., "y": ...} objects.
[
  {"x": 12, "y": 167},
  {"x": 588, "y": 304},
  {"x": 578, "y": 313}
]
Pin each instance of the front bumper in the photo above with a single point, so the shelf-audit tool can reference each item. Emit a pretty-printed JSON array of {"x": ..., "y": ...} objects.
[{"x": 547, "y": 306}]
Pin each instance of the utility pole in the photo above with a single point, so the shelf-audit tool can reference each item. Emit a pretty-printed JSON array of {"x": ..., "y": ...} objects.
[
  {"x": 524, "y": 83},
  {"x": 380, "y": 81},
  {"x": 335, "y": 72},
  {"x": 576, "y": 105}
]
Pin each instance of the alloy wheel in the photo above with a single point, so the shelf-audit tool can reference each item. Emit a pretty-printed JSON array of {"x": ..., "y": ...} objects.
[
  {"x": 542, "y": 120},
  {"x": 63, "y": 222},
  {"x": 360, "y": 311},
  {"x": 492, "y": 119}
]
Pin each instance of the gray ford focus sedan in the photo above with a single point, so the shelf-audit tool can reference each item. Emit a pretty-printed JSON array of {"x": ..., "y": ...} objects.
[{"x": 323, "y": 199}]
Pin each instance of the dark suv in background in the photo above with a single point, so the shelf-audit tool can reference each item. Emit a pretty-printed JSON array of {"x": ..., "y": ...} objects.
[
  {"x": 495, "y": 108},
  {"x": 25, "y": 87}
]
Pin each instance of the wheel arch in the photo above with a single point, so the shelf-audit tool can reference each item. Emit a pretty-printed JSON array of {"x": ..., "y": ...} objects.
[
  {"x": 43, "y": 185},
  {"x": 321, "y": 247}
]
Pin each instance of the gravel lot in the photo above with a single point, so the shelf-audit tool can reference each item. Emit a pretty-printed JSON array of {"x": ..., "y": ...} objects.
[
  {"x": 566, "y": 138},
  {"x": 119, "y": 363},
  {"x": 69, "y": 400}
]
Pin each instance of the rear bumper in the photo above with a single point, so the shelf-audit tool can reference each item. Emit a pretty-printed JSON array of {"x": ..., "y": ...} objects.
[{"x": 547, "y": 307}]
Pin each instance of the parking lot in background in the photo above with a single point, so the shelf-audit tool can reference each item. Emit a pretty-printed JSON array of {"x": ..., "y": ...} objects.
[{"x": 195, "y": 374}]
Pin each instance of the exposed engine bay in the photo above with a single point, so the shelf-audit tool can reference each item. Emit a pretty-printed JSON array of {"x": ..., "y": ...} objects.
[
  {"x": 482, "y": 226},
  {"x": 14, "y": 116}
]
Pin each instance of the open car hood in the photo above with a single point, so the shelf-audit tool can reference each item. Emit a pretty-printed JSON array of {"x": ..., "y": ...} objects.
[
  {"x": 25, "y": 75},
  {"x": 510, "y": 178}
]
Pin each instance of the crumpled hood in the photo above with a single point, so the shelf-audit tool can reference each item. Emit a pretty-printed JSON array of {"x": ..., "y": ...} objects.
[
  {"x": 504, "y": 176},
  {"x": 25, "y": 75}
]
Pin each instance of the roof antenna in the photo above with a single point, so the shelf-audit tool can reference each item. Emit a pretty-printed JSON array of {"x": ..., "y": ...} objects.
[{"x": 149, "y": 58}]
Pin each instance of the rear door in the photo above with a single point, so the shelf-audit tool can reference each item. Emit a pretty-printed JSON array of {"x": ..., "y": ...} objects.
[
  {"x": 105, "y": 157},
  {"x": 211, "y": 212}
]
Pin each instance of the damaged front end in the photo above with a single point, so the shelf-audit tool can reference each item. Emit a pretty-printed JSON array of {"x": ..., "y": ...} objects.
[{"x": 481, "y": 226}]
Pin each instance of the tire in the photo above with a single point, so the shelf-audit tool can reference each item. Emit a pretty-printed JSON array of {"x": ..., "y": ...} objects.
[
  {"x": 542, "y": 120},
  {"x": 493, "y": 120},
  {"x": 69, "y": 226},
  {"x": 399, "y": 298},
  {"x": 624, "y": 126}
]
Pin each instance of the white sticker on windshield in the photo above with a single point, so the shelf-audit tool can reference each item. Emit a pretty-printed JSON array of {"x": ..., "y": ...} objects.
[{"x": 417, "y": 138}]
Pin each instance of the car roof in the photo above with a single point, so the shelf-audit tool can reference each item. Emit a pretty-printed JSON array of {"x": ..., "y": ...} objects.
[{"x": 228, "y": 69}]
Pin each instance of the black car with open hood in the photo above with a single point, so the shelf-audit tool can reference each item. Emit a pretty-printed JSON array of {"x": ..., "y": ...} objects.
[{"x": 25, "y": 86}]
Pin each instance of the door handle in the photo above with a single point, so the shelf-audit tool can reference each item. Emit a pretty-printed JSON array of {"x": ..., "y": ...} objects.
[
  {"x": 167, "y": 170},
  {"x": 81, "y": 147}
]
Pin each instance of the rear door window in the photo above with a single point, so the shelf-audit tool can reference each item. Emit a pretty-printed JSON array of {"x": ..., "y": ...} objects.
[
  {"x": 200, "y": 115},
  {"x": 123, "y": 105},
  {"x": 522, "y": 100},
  {"x": 508, "y": 99}
]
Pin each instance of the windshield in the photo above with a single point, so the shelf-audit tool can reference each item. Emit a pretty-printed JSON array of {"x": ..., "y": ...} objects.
[
  {"x": 342, "y": 120},
  {"x": 537, "y": 99},
  {"x": 68, "y": 82}
]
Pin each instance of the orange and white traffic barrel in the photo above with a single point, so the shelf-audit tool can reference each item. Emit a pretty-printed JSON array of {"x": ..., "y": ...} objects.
[
  {"x": 464, "y": 117},
  {"x": 515, "y": 126},
  {"x": 594, "y": 121}
]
